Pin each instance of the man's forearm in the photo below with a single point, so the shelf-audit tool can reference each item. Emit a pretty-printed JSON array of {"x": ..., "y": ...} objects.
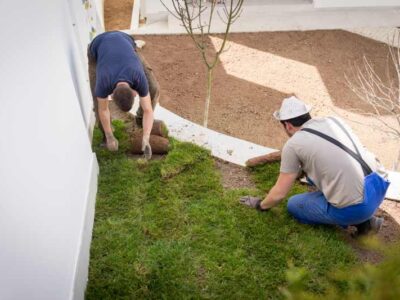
[
  {"x": 105, "y": 119},
  {"x": 148, "y": 119},
  {"x": 273, "y": 198}
]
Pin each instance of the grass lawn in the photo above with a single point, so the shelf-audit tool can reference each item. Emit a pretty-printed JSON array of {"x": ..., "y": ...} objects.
[{"x": 167, "y": 230}]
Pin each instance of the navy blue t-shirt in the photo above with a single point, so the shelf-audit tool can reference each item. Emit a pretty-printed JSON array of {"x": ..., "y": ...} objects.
[{"x": 116, "y": 61}]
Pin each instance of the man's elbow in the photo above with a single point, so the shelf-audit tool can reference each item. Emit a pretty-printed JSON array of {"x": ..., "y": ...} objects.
[{"x": 148, "y": 110}]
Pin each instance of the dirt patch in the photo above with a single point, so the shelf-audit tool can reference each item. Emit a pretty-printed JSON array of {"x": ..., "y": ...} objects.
[
  {"x": 117, "y": 14},
  {"x": 234, "y": 176},
  {"x": 258, "y": 71}
]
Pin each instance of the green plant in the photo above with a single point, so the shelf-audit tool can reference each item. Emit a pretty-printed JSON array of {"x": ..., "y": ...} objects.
[{"x": 362, "y": 282}]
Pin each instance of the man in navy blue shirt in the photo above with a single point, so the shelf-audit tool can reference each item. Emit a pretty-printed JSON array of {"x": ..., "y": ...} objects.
[{"x": 120, "y": 73}]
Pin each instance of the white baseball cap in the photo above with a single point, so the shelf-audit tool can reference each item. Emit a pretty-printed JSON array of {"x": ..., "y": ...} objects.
[{"x": 292, "y": 107}]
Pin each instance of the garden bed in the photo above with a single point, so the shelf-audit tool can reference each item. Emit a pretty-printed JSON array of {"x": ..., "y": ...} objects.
[{"x": 258, "y": 70}]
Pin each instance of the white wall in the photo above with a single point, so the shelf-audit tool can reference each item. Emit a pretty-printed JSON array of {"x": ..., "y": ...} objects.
[
  {"x": 48, "y": 173},
  {"x": 100, "y": 11},
  {"x": 356, "y": 3}
]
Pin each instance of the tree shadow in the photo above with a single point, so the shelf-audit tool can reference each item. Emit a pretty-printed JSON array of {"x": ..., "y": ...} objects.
[{"x": 333, "y": 53}]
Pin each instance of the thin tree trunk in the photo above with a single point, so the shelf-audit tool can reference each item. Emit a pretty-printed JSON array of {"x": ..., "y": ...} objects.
[{"x": 208, "y": 97}]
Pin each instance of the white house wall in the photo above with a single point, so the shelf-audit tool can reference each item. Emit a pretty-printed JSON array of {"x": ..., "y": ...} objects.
[
  {"x": 282, "y": 15},
  {"x": 48, "y": 173},
  {"x": 355, "y": 3},
  {"x": 85, "y": 25},
  {"x": 100, "y": 11}
]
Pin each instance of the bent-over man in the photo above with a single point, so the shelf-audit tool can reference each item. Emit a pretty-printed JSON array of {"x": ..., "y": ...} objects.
[{"x": 120, "y": 71}]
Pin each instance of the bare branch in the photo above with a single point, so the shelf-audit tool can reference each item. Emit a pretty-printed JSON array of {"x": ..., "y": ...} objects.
[{"x": 381, "y": 94}]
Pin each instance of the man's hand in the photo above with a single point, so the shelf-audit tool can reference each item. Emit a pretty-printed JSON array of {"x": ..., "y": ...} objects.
[
  {"x": 105, "y": 119},
  {"x": 275, "y": 195},
  {"x": 112, "y": 142},
  {"x": 253, "y": 202},
  {"x": 146, "y": 148}
]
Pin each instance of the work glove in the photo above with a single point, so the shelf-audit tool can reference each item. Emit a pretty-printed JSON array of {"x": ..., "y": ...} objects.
[
  {"x": 253, "y": 202},
  {"x": 146, "y": 148},
  {"x": 112, "y": 142}
]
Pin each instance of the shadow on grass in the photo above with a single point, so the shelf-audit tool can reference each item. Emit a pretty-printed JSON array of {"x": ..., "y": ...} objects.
[{"x": 167, "y": 229}]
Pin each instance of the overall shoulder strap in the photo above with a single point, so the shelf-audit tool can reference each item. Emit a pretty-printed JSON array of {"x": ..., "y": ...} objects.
[
  {"x": 346, "y": 132},
  {"x": 366, "y": 169}
]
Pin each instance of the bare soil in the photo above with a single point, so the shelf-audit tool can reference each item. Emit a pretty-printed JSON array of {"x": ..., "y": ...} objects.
[
  {"x": 234, "y": 176},
  {"x": 117, "y": 14},
  {"x": 258, "y": 70}
]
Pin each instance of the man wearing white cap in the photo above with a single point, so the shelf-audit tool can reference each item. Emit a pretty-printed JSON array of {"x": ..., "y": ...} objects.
[{"x": 350, "y": 181}]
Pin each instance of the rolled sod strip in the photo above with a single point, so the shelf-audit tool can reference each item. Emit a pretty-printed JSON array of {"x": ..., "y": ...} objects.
[
  {"x": 264, "y": 159},
  {"x": 159, "y": 128},
  {"x": 159, "y": 144}
]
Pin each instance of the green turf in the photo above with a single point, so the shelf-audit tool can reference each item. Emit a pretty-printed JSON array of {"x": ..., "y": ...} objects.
[{"x": 168, "y": 230}]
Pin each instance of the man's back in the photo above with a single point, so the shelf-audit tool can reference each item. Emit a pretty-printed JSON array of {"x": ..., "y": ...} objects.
[
  {"x": 117, "y": 61},
  {"x": 338, "y": 175}
]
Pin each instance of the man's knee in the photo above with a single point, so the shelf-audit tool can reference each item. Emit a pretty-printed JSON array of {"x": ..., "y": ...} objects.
[
  {"x": 294, "y": 205},
  {"x": 296, "y": 208}
]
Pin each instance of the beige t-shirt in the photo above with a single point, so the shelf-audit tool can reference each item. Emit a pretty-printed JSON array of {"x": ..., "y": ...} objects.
[{"x": 334, "y": 172}]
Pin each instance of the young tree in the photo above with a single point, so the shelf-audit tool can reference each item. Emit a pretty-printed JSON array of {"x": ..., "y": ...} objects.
[
  {"x": 197, "y": 17},
  {"x": 381, "y": 94}
]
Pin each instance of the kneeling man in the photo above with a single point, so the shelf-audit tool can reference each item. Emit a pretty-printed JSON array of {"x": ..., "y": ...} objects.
[{"x": 350, "y": 182}]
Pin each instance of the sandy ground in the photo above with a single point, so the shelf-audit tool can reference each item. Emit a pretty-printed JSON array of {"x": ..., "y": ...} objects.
[
  {"x": 117, "y": 14},
  {"x": 258, "y": 71}
]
